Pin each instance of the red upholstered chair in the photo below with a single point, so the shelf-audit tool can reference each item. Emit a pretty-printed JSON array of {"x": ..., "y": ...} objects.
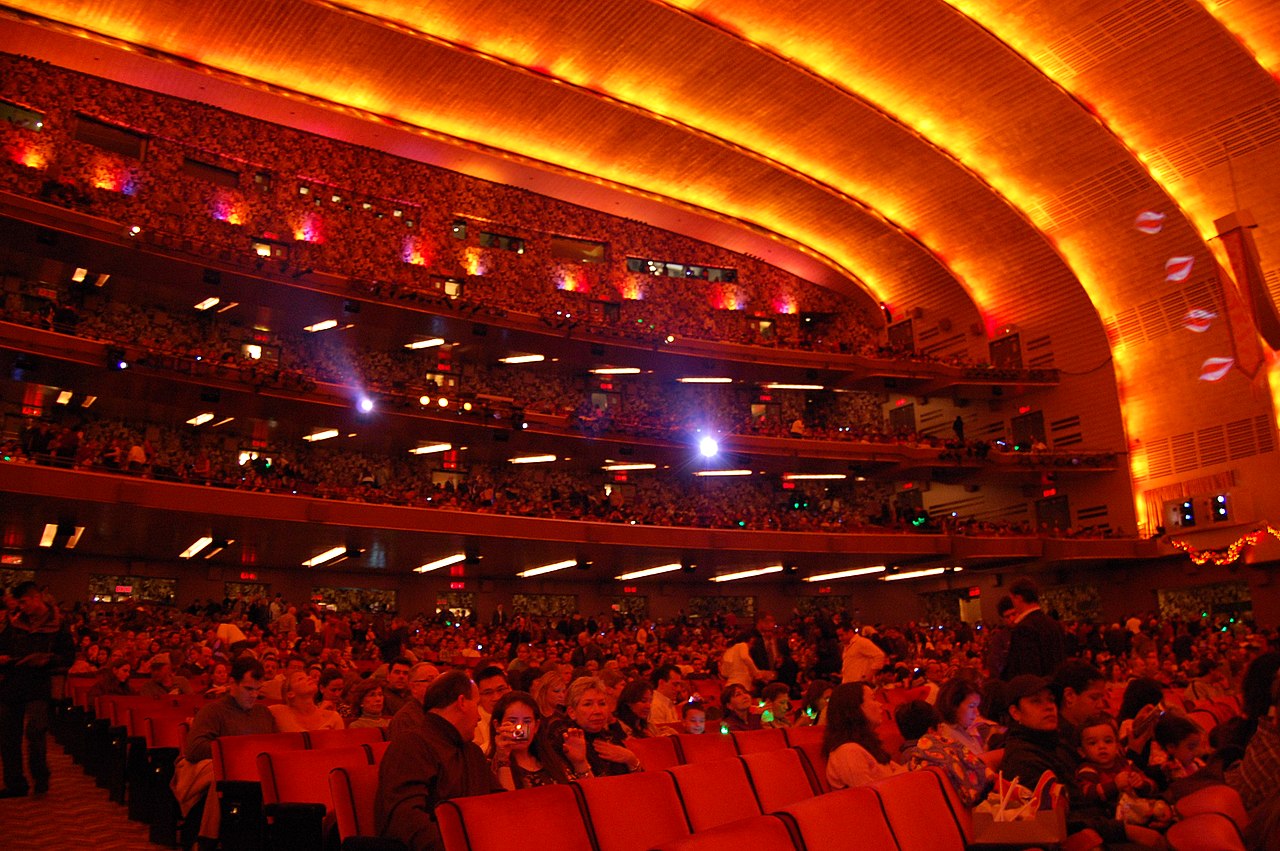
[
  {"x": 844, "y": 820},
  {"x": 634, "y": 812},
  {"x": 816, "y": 764},
  {"x": 235, "y": 758},
  {"x": 546, "y": 818},
  {"x": 778, "y": 777},
  {"x": 302, "y": 777},
  {"x": 805, "y": 735},
  {"x": 762, "y": 833},
  {"x": 1205, "y": 832},
  {"x": 709, "y": 747},
  {"x": 344, "y": 738},
  {"x": 919, "y": 812},
  {"x": 353, "y": 789},
  {"x": 754, "y": 741},
  {"x": 715, "y": 793},
  {"x": 1204, "y": 719},
  {"x": 1221, "y": 799},
  {"x": 376, "y": 750},
  {"x": 656, "y": 753}
]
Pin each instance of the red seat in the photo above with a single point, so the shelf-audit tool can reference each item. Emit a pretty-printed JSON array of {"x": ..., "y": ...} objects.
[
  {"x": 165, "y": 728},
  {"x": 236, "y": 757},
  {"x": 353, "y": 789},
  {"x": 656, "y": 753},
  {"x": 344, "y": 738},
  {"x": 708, "y": 747},
  {"x": 1204, "y": 719},
  {"x": 762, "y": 833},
  {"x": 1205, "y": 832},
  {"x": 778, "y": 777},
  {"x": 919, "y": 812},
  {"x": 844, "y": 820},
  {"x": 546, "y": 818},
  {"x": 715, "y": 793},
  {"x": 377, "y": 749},
  {"x": 302, "y": 776},
  {"x": 805, "y": 735},
  {"x": 1219, "y": 799},
  {"x": 78, "y": 687},
  {"x": 634, "y": 812},
  {"x": 707, "y": 688},
  {"x": 754, "y": 741},
  {"x": 816, "y": 763}
]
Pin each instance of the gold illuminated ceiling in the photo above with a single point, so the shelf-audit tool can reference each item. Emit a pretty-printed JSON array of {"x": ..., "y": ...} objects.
[{"x": 984, "y": 160}]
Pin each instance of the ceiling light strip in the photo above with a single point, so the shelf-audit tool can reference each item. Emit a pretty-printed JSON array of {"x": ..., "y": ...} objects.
[
  {"x": 747, "y": 574},
  {"x": 649, "y": 571},
  {"x": 547, "y": 568},
  {"x": 845, "y": 574}
]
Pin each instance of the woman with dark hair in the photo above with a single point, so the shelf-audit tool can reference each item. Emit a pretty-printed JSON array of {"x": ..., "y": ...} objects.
[
  {"x": 813, "y": 709},
  {"x": 854, "y": 752},
  {"x": 114, "y": 679},
  {"x": 738, "y": 716},
  {"x": 958, "y": 702},
  {"x": 367, "y": 703},
  {"x": 633, "y": 709},
  {"x": 1140, "y": 709},
  {"x": 520, "y": 757}
]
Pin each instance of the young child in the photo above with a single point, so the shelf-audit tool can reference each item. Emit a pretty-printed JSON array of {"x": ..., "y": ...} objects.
[
  {"x": 927, "y": 744},
  {"x": 1179, "y": 739},
  {"x": 777, "y": 706},
  {"x": 694, "y": 716},
  {"x": 1110, "y": 782}
]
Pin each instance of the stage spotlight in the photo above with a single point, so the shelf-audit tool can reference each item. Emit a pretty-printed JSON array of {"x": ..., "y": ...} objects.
[
  {"x": 708, "y": 447},
  {"x": 366, "y": 404}
]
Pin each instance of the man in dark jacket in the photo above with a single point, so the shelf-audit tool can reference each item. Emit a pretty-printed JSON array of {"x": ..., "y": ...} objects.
[
  {"x": 432, "y": 763},
  {"x": 34, "y": 645},
  {"x": 1037, "y": 645}
]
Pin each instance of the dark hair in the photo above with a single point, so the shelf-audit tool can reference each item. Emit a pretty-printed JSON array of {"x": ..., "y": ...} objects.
[
  {"x": 24, "y": 588},
  {"x": 1026, "y": 589},
  {"x": 813, "y": 693},
  {"x": 662, "y": 673},
  {"x": 1075, "y": 675},
  {"x": 1173, "y": 730},
  {"x": 846, "y": 721},
  {"x": 1256, "y": 696},
  {"x": 399, "y": 660},
  {"x": 246, "y": 664},
  {"x": 915, "y": 718},
  {"x": 1141, "y": 692},
  {"x": 488, "y": 672},
  {"x": 541, "y": 747},
  {"x": 500, "y": 709},
  {"x": 359, "y": 690},
  {"x": 773, "y": 691},
  {"x": 328, "y": 675},
  {"x": 951, "y": 694},
  {"x": 1004, "y": 604},
  {"x": 631, "y": 693},
  {"x": 691, "y": 706},
  {"x": 1097, "y": 719},
  {"x": 446, "y": 689},
  {"x": 729, "y": 691}
]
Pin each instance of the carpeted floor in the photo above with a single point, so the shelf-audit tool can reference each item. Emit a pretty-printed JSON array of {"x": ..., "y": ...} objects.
[{"x": 75, "y": 814}]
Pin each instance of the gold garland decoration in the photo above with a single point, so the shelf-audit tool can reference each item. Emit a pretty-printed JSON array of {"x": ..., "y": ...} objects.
[{"x": 1230, "y": 554}]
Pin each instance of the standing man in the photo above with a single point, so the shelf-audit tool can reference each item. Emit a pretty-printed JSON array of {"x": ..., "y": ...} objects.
[
  {"x": 34, "y": 646},
  {"x": 770, "y": 650},
  {"x": 1037, "y": 645},
  {"x": 432, "y": 763},
  {"x": 862, "y": 657}
]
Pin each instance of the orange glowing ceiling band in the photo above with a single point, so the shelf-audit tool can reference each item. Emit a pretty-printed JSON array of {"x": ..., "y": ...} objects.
[
  {"x": 1251, "y": 33},
  {"x": 247, "y": 79}
]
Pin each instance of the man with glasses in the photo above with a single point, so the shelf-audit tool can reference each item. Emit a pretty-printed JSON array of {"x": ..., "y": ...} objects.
[{"x": 493, "y": 685}]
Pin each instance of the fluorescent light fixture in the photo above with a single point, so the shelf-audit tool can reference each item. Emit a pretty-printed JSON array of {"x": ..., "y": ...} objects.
[
  {"x": 425, "y": 344},
  {"x": 431, "y": 449},
  {"x": 813, "y": 477},
  {"x": 617, "y": 370},
  {"x": 79, "y": 275},
  {"x": 326, "y": 556},
  {"x": 696, "y": 380},
  {"x": 747, "y": 574},
  {"x": 913, "y": 574},
  {"x": 532, "y": 459},
  {"x": 621, "y": 468},
  {"x": 794, "y": 387},
  {"x": 228, "y": 306},
  {"x": 321, "y": 326},
  {"x": 717, "y": 473},
  {"x": 75, "y": 537},
  {"x": 548, "y": 568},
  {"x": 200, "y": 419},
  {"x": 844, "y": 574},
  {"x": 102, "y": 280},
  {"x": 200, "y": 544},
  {"x": 649, "y": 571},
  {"x": 523, "y": 359},
  {"x": 218, "y": 547},
  {"x": 211, "y": 301},
  {"x": 222, "y": 421},
  {"x": 64, "y": 397},
  {"x": 324, "y": 434},
  {"x": 50, "y": 532},
  {"x": 440, "y": 562},
  {"x": 88, "y": 400}
]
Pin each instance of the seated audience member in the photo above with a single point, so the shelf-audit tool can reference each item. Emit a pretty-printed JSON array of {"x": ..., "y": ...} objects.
[
  {"x": 1180, "y": 741},
  {"x": 493, "y": 684},
  {"x": 1140, "y": 709},
  {"x": 418, "y": 678},
  {"x": 1257, "y": 776},
  {"x": 1212, "y": 680},
  {"x": 854, "y": 752},
  {"x": 550, "y": 690},
  {"x": 332, "y": 685},
  {"x": 813, "y": 711},
  {"x": 113, "y": 679},
  {"x": 273, "y": 682},
  {"x": 668, "y": 691},
  {"x": 236, "y": 714},
  {"x": 777, "y": 706},
  {"x": 927, "y": 743},
  {"x": 299, "y": 712},
  {"x": 163, "y": 681},
  {"x": 958, "y": 703},
  {"x": 430, "y": 763},
  {"x": 634, "y": 705},
  {"x": 588, "y": 710},
  {"x": 396, "y": 686},
  {"x": 219, "y": 680},
  {"x": 1105, "y": 773},
  {"x": 520, "y": 757},
  {"x": 365, "y": 696},
  {"x": 738, "y": 706},
  {"x": 693, "y": 717}
]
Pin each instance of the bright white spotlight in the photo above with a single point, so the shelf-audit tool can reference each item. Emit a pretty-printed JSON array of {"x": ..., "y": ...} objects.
[
  {"x": 708, "y": 447},
  {"x": 366, "y": 404}
]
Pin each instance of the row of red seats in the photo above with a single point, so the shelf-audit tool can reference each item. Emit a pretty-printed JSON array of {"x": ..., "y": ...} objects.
[{"x": 662, "y": 752}]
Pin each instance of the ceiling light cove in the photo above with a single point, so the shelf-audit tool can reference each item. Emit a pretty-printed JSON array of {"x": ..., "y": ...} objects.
[
  {"x": 547, "y": 568},
  {"x": 439, "y": 563},
  {"x": 747, "y": 574},
  {"x": 844, "y": 574},
  {"x": 649, "y": 571}
]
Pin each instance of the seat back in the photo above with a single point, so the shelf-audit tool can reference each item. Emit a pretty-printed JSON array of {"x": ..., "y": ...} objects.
[
  {"x": 778, "y": 777},
  {"x": 805, "y": 735},
  {"x": 1221, "y": 799},
  {"x": 345, "y": 738},
  {"x": 634, "y": 812},
  {"x": 302, "y": 777},
  {"x": 816, "y": 763},
  {"x": 1205, "y": 832},
  {"x": 919, "y": 813},
  {"x": 165, "y": 728},
  {"x": 715, "y": 793},
  {"x": 656, "y": 753},
  {"x": 708, "y": 747},
  {"x": 762, "y": 833},
  {"x": 353, "y": 789},
  {"x": 1204, "y": 719},
  {"x": 78, "y": 687},
  {"x": 236, "y": 757},
  {"x": 545, "y": 818},
  {"x": 754, "y": 741},
  {"x": 844, "y": 820},
  {"x": 376, "y": 750}
]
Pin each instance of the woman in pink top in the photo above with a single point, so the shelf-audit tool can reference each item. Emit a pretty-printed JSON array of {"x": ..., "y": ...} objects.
[{"x": 855, "y": 756}]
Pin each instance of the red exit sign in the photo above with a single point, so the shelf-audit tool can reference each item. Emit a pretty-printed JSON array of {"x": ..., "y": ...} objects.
[
  {"x": 248, "y": 575},
  {"x": 457, "y": 586}
]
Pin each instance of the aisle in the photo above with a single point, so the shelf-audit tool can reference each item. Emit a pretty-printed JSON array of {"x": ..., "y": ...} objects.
[{"x": 75, "y": 814}]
